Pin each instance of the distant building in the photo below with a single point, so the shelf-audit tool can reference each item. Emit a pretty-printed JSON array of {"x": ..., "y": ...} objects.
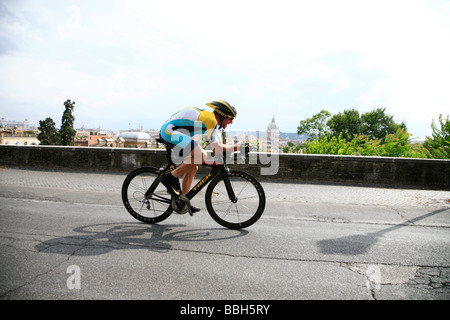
[
  {"x": 93, "y": 139},
  {"x": 6, "y": 137},
  {"x": 134, "y": 140},
  {"x": 18, "y": 133},
  {"x": 273, "y": 137},
  {"x": 8, "y": 124}
]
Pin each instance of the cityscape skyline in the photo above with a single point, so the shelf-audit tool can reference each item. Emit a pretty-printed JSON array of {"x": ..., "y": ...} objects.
[
  {"x": 26, "y": 124},
  {"x": 270, "y": 140},
  {"x": 283, "y": 134}
]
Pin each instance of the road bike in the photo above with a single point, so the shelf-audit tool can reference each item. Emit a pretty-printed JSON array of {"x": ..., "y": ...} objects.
[{"x": 234, "y": 199}]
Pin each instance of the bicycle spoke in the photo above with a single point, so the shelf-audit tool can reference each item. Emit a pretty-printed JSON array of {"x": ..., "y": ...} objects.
[
  {"x": 246, "y": 207},
  {"x": 147, "y": 209},
  {"x": 243, "y": 187},
  {"x": 227, "y": 211},
  {"x": 136, "y": 186}
]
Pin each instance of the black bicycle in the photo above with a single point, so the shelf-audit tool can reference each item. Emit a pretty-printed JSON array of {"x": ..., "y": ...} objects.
[{"x": 234, "y": 199}]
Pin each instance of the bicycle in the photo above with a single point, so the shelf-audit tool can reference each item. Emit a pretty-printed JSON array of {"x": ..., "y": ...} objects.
[{"x": 234, "y": 199}]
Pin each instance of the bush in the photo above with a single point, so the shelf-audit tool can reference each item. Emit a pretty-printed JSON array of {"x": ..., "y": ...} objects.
[
  {"x": 393, "y": 145},
  {"x": 439, "y": 144}
]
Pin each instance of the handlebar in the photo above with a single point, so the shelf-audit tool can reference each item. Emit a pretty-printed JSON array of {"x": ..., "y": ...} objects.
[{"x": 236, "y": 157}]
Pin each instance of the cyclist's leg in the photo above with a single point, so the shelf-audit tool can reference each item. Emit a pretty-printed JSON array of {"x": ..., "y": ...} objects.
[
  {"x": 172, "y": 139},
  {"x": 188, "y": 169},
  {"x": 186, "y": 149},
  {"x": 189, "y": 166},
  {"x": 188, "y": 178}
]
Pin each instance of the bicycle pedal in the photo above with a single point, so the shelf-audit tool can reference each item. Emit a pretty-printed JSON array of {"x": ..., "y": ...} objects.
[{"x": 193, "y": 210}]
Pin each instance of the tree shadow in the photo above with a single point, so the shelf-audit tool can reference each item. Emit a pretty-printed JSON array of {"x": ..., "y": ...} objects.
[
  {"x": 361, "y": 243},
  {"x": 100, "y": 239}
]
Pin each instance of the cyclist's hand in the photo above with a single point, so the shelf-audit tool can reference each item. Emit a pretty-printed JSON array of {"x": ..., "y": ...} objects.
[{"x": 245, "y": 148}]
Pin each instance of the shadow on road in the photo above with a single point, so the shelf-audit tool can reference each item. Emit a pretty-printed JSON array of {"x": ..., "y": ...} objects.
[
  {"x": 361, "y": 243},
  {"x": 99, "y": 239}
]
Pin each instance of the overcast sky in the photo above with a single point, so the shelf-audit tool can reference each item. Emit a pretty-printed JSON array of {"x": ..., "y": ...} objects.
[{"x": 134, "y": 63}]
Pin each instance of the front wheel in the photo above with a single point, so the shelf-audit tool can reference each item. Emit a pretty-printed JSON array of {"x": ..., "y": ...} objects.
[
  {"x": 244, "y": 209},
  {"x": 149, "y": 209}
]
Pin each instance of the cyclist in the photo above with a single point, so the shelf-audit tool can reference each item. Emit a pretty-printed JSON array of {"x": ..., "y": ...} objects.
[{"x": 177, "y": 134}]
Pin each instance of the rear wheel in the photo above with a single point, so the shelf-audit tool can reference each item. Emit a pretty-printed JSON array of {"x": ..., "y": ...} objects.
[
  {"x": 152, "y": 209},
  {"x": 242, "y": 211}
]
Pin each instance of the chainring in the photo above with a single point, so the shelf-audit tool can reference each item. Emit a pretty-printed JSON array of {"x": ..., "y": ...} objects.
[{"x": 181, "y": 204}]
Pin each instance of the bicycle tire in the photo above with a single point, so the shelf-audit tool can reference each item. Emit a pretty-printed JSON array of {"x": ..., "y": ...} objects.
[
  {"x": 147, "y": 210},
  {"x": 248, "y": 208}
]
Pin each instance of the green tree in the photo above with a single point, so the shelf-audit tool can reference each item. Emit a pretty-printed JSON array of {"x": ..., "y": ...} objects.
[
  {"x": 376, "y": 124},
  {"x": 439, "y": 144},
  {"x": 397, "y": 145},
  {"x": 347, "y": 124},
  {"x": 48, "y": 134},
  {"x": 67, "y": 132},
  {"x": 292, "y": 148},
  {"x": 316, "y": 126}
]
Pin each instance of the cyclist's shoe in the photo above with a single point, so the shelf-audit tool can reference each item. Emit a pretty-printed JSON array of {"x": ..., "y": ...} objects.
[
  {"x": 194, "y": 209},
  {"x": 171, "y": 183}
]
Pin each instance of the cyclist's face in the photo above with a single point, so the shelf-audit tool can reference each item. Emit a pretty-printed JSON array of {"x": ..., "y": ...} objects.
[{"x": 226, "y": 122}]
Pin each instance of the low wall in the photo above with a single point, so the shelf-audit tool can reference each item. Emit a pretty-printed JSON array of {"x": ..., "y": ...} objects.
[{"x": 380, "y": 171}]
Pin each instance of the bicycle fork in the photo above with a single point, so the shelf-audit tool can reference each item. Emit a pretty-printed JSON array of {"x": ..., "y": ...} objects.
[{"x": 228, "y": 186}]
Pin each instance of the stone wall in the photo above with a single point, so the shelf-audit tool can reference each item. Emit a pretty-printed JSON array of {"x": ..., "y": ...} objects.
[{"x": 379, "y": 171}]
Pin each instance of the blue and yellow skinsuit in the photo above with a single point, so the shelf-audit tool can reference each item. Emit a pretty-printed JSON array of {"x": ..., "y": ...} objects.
[{"x": 178, "y": 131}]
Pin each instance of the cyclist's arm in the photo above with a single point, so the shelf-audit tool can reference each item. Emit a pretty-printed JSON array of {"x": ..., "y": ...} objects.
[{"x": 219, "y": 147}]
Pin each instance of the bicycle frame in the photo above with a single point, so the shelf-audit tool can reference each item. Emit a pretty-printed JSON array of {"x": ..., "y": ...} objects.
[
  {"x": 216, "y": 169},
  {"x": 222, "y": 203}
]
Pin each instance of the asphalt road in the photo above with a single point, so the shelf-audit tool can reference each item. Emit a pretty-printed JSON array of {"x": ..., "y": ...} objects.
[{"x": 66, "y": 235}]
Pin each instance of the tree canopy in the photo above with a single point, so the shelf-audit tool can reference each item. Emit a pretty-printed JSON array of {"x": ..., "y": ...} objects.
[
  {"x": 439, "y": 143},
  {"x": 372, "y": 133},
  {"x": 316, "y": 126},
  {"x": 67, "y": 132},
  {"x": 49, "y": 135},
  {"x": 347, "y": 123},
  {"x": 375, "y": 124}
]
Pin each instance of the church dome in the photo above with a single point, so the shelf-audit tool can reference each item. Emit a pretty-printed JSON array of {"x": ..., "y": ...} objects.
[{"x": 272, "y": 125}]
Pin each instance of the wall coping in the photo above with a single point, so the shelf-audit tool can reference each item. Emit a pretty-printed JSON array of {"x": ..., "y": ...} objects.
[
  {"x": 319, "y": 156},
  {"x": 305, "y": 168}
]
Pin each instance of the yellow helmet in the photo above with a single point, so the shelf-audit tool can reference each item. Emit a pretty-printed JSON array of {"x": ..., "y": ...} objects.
[{"x": 223, "y": 108}]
